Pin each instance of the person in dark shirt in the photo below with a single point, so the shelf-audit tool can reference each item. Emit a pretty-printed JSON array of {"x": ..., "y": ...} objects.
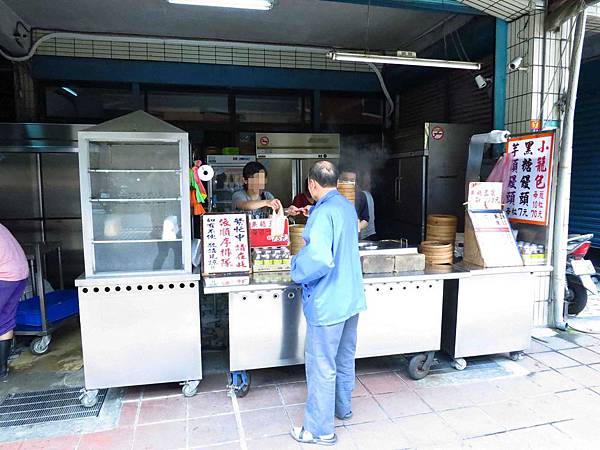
[
  {"x": 304, "y": 198},
  {"x": 348, "y": 174}
]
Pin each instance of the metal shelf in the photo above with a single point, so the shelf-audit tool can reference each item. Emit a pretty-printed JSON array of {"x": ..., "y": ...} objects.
[
  {"x": 124, "y": 200},
  {"x": 134, "y": 170}
]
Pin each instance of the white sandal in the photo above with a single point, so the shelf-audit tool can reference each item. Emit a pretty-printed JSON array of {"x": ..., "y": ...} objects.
[{"x": 305, "y": 437}]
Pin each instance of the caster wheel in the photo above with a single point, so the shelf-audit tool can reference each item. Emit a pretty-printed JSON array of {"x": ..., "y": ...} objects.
[
  {"x": 239, "y": 384},
  {"x": 459, "y": 364},
  {"x": 516, "y": 356},
  {"x": 190, "y": 388},
  {"x": 417, "y": 368},
  {"x": 89, "y": 399},
  {"x": 40, "y": 345}
]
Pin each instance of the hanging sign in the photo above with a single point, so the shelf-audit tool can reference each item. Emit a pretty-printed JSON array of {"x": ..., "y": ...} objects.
[
  {"x": 261, "y": 236},
  {"x": 528, "y": 189},
  {"x": 225, "y": 244}
]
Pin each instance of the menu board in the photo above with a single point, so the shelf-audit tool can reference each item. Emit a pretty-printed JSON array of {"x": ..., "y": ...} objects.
[
  {"x": 489, "y": 241},
  {"x": 485, "y": 196},
  {"x": 528, "y": 189},
  {"x": 225, "y": 244}
]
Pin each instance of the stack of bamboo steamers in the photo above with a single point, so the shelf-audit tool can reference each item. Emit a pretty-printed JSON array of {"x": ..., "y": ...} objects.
[
  {"x": 296, "y": 241},
  {"x": 348, "y": 190},
  {"x": 441, "y": 234}
]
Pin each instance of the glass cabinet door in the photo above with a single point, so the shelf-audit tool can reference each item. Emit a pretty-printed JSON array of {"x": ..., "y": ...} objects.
[{"x": 135, "y": 204}]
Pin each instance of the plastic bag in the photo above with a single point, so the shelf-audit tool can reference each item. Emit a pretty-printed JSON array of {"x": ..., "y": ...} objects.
[
  {"x": 501, "y": 173},
  {"x": 278, "y": 223}
]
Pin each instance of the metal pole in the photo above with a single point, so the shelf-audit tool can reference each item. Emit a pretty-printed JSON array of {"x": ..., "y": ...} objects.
[{"x": 563, "y": 195}]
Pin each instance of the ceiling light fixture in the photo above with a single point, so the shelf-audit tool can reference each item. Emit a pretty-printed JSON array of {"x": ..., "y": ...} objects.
[
  {"x": 402, "y": 60},
  {"x": 69, "y": 91},
  {"x": 262, "y": 5}
]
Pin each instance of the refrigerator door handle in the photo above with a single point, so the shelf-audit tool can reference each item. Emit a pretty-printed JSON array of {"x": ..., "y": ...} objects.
[{"x": 397, "y": 181}]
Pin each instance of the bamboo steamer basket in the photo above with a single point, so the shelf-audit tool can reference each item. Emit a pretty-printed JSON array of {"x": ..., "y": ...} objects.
[
  {"x": 437, "y": 252},
  {"x": 296, "y": 240},
  {"x": 348, "y": 190},
  {"x": 441, "y": 227}
]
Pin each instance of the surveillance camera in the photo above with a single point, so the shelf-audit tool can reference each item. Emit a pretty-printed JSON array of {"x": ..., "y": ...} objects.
[
  {"x": 481, "y": 82},
  {"x": 516, "y": 63}
]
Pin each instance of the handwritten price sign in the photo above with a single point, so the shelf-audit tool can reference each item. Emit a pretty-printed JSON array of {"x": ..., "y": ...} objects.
[{"x": 225, "y": 243}]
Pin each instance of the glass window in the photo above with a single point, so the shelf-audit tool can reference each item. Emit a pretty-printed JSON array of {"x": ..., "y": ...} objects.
[
  {"x": 345, "y": 110},
  {"x": 174, "y": 106},
  {"x": 265, "y": 109},
  {"x": 69, "y": 101}
]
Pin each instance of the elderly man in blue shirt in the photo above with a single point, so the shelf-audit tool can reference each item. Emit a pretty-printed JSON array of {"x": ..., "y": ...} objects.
[{"x": 329, "y": 270}]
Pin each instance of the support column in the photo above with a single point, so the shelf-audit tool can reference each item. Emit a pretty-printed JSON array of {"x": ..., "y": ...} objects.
[{"x": 25, "y": 98}]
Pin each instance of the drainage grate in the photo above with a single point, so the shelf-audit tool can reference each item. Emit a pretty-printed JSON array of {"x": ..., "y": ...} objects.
[{"x": 46, "y": 406}]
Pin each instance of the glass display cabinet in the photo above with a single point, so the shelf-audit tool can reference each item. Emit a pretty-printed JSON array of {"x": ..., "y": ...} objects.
[{"x": 138, "y": 282}]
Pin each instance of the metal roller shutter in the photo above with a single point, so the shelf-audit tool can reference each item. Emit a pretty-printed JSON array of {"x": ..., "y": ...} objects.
[{"x": 585, "y": 182}]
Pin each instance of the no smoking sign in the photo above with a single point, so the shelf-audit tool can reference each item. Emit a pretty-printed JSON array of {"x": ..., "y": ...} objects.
[
  {"x": 438, "y": 133},
  {"x": 264, "y": 140}
]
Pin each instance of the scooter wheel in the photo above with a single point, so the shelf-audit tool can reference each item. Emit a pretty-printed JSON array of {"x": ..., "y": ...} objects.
[{"x": 576, "y": 295}]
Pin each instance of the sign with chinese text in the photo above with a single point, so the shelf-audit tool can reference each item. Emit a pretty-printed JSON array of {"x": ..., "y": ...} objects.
[
  {"x": 530, "y": 178},
  {"x": 485, "y": 196},
  {"x": 225, "y": 244},
  {"x": 260, "y": 234}
]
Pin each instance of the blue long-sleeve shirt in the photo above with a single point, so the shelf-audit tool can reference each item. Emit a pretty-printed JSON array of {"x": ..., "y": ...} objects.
[{"x": 328, "y": 266}]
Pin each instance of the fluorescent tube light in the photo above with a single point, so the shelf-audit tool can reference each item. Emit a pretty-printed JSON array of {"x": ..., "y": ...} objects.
[
  {"x": 69, "y": 91},
  {"x": 402, "y": 60},
  {"x": 262, "y": 5}
]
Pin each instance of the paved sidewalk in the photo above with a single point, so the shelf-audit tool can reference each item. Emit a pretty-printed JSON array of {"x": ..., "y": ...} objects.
[{"x": 550, "y": 399}]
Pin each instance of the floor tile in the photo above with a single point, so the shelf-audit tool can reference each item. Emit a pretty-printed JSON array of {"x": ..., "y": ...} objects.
[
  {"x": 552, "y": 381},
  {"x": 285, "y": 442},
  {"x": 556, "y": 343},
  {"x": 296, "y": 414},
  {"x": 585, "y": 432},
  {"x": 208, "y": 404},
  {"x": 119, "y": 439},
  {"x": 160, "y": 436},
  {"x": 344, "y": 442},
  {"x": 364, "y": 409},
  {"x": 582, "y": 355},
  {"x": 519, "y": 387},
  {"x": 581, "y": 403},
  {"x": 163, "y": 409},
  {"x": 293, "y": 393},
  {"x": 582, "y": 375},
  {"x": 482, "y": 443},
  {"x": 129, "y": 413},
  {"x": 594, "y": 348},
  {"x": 133, "y": 394},
  {"x": 228, "y": 446},
  {"x": 471, "y": 422},
  {"x": 55, "y": 443},
  {"x": 539, "y": 438},
  {"x": 402, "y": 404},
  {"x": 585, "y": 340},
  {"x": 548, "y": 408},
  {"x": 482, "y": 392},
  {"x": 154, "y": 391},
  {"x": 359, "y": 389},
  {"x": 537, "y": 347},
  {"x": 381, "y": 435},
  {"x": 383, "y": 383},
  {"x": 260, "y": 397},
  {"x": 212, "y": 430},
  {"x": 426, "y": 429},
  {"x": 10, "y": 445},
  {"x": 266, "y": 422},
  {"x": 512, "y": 414},
  {"x": 531, "y": 365},
  {"x": 444, "y": 397},
  {"x": 555, "y": 360}
]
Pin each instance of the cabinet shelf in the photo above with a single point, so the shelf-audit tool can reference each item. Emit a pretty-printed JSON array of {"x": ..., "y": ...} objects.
[{"x": 133, "y": 241}]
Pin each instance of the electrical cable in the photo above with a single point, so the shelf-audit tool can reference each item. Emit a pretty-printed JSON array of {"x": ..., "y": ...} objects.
[{"x": 375, "y": 69}]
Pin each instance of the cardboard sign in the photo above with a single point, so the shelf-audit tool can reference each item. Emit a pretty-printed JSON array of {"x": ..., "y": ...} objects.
[
  {"x": 528, "y": 189},
  {"x": 485, "y": 196},
  {"x": 489, "y": 241},
  {"x": 260, "y": 234},
  {"x": 225, "y": 244}
]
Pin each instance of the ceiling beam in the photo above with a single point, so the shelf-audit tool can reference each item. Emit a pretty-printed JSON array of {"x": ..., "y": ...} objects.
[
  {"x": 559, "y": 11},
  {"x": 444, "y": 6},
  {"x": 14, "y": 31}
]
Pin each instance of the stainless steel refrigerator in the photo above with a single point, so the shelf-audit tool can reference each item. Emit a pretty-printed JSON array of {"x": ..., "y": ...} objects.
[
  {"x": 288, "y": 157},
  {"x": 426, "y": 174}
]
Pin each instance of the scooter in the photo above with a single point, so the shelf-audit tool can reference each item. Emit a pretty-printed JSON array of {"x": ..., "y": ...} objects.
[{"x": 579, "y": 271}]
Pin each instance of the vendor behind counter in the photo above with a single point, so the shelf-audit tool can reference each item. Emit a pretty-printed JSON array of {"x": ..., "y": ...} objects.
[{"x": 254, "y": 198}]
